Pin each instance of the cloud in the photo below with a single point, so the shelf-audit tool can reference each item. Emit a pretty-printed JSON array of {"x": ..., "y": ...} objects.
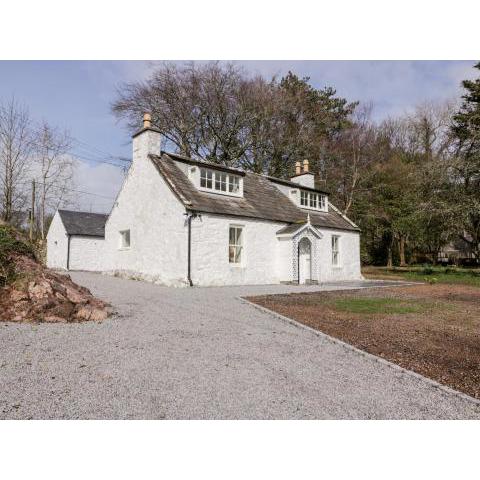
[{"x": 97, "y": 186}]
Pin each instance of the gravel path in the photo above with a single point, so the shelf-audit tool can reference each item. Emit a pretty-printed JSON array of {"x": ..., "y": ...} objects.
[{"x": 200, "y": 353}]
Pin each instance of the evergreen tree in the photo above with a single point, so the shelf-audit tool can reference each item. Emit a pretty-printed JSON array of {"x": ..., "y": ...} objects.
[{"x": 466, "y": 167}]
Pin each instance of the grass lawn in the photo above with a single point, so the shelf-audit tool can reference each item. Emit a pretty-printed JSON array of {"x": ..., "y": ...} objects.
[
  {"x": 431, "y": 329},
  {"x": 450, "y": 275}
]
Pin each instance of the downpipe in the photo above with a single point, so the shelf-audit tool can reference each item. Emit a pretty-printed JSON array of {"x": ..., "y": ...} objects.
[{"x": 190, "y": 216}]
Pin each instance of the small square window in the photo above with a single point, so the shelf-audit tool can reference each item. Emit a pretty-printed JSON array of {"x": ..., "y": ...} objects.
[{"x": 125, "y": 239}]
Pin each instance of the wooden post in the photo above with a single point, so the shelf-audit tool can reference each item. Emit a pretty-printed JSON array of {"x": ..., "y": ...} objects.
[{"x": 32, "y": 211}]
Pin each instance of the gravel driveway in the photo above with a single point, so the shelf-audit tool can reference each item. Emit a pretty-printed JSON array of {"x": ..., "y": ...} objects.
[{"x": 200, "y": 353}]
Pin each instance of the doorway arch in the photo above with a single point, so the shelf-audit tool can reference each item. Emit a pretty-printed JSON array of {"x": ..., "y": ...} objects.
[{"x": 304, "y": 261}]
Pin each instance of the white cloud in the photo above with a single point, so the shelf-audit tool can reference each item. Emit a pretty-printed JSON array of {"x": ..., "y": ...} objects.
[{"x": 99, "y": 183}]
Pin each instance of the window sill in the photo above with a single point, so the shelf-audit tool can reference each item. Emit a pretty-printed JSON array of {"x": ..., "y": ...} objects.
[
  {"x": 312, "y": 209},
  {"x": 236, "y": 265},
  {"x": 219, "y": 192},
  {"x": 337, "y": 267},
  {"x": 122, "y": 249}
]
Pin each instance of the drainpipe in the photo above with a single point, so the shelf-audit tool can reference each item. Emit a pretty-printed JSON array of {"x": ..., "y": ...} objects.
[
  {"x": 190, "y": 216},
  {"x": 68, "y": 251}
]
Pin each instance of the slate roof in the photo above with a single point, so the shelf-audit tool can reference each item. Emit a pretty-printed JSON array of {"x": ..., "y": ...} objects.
[
  {"x": 261, "y": 199},
  {"x": 292, "y": 228},
  {"x": 83, "y": 223}
]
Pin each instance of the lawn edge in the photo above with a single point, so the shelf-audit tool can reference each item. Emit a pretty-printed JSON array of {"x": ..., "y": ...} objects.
[{"x": 348, "y": 346}]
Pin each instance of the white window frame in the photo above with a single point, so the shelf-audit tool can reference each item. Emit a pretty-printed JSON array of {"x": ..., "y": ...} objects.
[
  {"x": 218, "y": 179},
  {"x": 313, "y": 201},
  {"x": 123, "y": 236},
  {"x": 335, "y": 242},
  {"x": 238, "y": 244}
]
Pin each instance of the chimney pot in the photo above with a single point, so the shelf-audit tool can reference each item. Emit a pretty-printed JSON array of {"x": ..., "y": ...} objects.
[
  {"x": 298, "y": 168},
  {"x": 147, "y": 120},
  {"x": 305, "y": 166}
]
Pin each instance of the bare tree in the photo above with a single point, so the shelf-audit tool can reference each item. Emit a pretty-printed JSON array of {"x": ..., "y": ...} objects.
[
  {"x": 352, "y": 156},
  {"x": 56, "y": 170},
  {"x": 16, "y": 143},
  {"x": 216, "y": 112}
]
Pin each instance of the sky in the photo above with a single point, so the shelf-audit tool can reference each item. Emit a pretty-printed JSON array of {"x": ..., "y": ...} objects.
[{"x": 77, "y": 95}]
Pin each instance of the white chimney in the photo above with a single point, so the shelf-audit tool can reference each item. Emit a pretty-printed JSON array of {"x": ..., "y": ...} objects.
[
  {"x": 146, "y": 141},
  {"x": 305, "y": 177}
]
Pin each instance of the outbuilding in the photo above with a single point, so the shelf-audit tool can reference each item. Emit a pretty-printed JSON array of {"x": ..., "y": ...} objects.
[{"x": 76, "y": 241}]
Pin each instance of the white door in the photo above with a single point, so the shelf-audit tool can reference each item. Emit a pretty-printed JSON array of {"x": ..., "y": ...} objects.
[{"x": 304, "y": 260}]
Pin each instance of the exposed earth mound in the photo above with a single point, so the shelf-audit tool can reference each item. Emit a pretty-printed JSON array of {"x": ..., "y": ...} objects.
[{"x": 29, "y": 292}]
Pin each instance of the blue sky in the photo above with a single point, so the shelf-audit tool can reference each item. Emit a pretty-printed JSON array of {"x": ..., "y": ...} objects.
[{"x": 77, "y": 95}]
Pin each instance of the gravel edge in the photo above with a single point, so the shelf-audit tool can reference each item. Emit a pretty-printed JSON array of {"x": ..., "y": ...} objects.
[{"x": 318, "y": 333}]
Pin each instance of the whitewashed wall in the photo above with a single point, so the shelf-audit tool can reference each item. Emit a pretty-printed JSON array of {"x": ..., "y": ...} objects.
[
  {"x": 87, "y": 253},
  {"x": 155, "y": 217},
  {"x": 57, "y": 244},
  {"x": 210, "y": 241},
  {"x": 267, "y": 259},
  {"x": 349, "y": 264}
]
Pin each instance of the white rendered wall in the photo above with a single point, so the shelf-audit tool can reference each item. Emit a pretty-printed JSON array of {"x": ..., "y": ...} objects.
[
  {"x": 158, "y": 235},
  {"x": 87, "y": 253},
  {"x": 57, "y": 244},
  {"x": 349, "y": 262},
  {"x": 267, "y": 259},
  {"x": 210, "y": 242}
]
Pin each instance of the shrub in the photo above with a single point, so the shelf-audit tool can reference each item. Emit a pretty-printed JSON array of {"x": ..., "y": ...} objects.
[
  {"x": 427, "y": 270},
  {"x": 11, "y": 243}
]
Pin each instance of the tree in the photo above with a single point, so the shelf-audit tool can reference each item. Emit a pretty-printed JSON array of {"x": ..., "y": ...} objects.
[
  {"x": 16, "y": 143},
  {"x": 466, "y": 168},
  {"x": 351, "y": 155},
  {"x": 56, "y": 170},
  {"x": 217, "y": 113}
]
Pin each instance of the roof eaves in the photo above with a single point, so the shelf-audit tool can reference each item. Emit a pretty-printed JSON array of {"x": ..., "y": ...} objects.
[{"x": 344, "y": 216}]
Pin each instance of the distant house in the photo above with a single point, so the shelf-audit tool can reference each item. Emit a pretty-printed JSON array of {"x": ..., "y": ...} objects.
[
  {"x": 75, "y": 241},
  {"x": 457, "y": 252},
  {"x": 179, "y": 221}
]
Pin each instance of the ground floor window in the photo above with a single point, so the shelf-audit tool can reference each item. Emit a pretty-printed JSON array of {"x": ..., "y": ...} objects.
[
  {"x": 125, "y": 239},
  {"x": 335, "y": 250},
  {"x": 235, "y": 245}
]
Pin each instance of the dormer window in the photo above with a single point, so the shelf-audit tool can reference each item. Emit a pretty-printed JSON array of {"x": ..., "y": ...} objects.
[
  {"x": 219, "y": 182},
  {"x": 312, "y": 200}
]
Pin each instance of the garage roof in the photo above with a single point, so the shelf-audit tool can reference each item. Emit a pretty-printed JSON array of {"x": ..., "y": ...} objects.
[{"x": 83, "y": 223}]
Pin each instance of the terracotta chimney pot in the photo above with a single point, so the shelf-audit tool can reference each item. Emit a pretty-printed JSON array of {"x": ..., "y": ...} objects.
[
  {"x": 305, "y": 166},
  {"x": 298, "y": 168},
  {"x": 147, "y": 120}
]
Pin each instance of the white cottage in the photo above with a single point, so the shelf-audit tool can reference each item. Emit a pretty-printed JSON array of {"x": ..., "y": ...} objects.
[{"x": 179, "y": 221}]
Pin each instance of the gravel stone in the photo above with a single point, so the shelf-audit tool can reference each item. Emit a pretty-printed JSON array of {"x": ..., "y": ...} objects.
[{"x": 202, "y": 353}]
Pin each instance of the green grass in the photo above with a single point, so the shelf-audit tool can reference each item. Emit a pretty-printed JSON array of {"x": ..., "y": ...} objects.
[
  {"x": 376, "y": 305},
  {"x": 431, "y": 274},
  {"x": 459, "y": 278}
]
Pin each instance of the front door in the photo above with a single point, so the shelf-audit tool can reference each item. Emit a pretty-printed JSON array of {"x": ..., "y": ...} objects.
[{"x": 304, "y": 261}]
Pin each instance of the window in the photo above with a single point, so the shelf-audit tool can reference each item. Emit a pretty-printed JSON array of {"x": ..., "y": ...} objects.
[
  {"x": 303, "y": 198},
  {"x": 312, "y": 200},
  {"x": 206, "y": 178},
  {"x": 219, "y": 181},
  {"x": 335, "y": 250},
  {"x": 235, "y": 245},
  {"x": 233, "y": 184},
  {"x": 125, "y": 239}
]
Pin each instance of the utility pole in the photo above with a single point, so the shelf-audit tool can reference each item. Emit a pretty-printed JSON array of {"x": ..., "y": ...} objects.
[{"x": 32, "y": 211}]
